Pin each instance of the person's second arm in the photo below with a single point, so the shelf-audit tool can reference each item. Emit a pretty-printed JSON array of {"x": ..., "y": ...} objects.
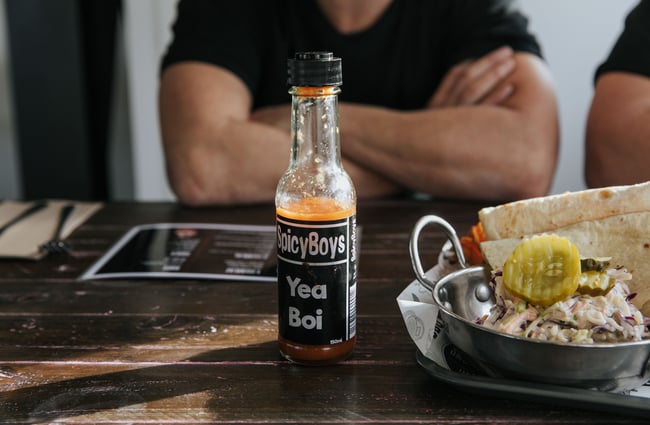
[
  {"x": 475, "y": 151},
  {"x": 618, "y": 131}
]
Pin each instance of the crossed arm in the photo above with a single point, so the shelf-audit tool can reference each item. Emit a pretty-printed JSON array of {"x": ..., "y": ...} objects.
[
  {"x": 618, "y": 131},
  {"x": 489, "y": 132}
]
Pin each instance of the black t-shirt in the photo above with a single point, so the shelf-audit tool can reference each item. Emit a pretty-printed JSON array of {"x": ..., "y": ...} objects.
[
  {"x": 397, "y": 62},
  {"x": 631, "y": 53}
]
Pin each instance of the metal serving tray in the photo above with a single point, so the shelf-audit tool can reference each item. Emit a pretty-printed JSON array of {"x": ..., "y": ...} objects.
[{"x": 634, "y": 403}]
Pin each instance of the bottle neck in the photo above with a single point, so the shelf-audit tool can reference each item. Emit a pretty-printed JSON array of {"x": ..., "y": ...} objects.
[{"x": 315, "y": 127}]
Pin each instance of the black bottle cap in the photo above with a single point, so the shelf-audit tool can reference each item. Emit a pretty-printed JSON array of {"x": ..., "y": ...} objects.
[{"x": 314, "y": 69}]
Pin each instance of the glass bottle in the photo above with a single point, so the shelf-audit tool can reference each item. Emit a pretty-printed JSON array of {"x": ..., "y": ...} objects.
[{"x": 316, "y": 222}]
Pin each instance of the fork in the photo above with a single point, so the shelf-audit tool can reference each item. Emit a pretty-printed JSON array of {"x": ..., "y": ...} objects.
[
  {"x": 37, "y": 206},
  {"x": 56, "y": 245}
]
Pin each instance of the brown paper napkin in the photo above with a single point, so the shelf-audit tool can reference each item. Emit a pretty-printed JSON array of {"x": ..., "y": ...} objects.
[{"x": 22, "y": 239}]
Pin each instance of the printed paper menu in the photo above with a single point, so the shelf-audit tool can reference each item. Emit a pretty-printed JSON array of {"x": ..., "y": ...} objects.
[{"x": 190, "y": 250}]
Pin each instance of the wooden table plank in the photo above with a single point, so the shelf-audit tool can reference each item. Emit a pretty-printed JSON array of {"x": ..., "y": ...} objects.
[
  {"x": 278, "y": 391},
  {"x": 194, "y": 352}
]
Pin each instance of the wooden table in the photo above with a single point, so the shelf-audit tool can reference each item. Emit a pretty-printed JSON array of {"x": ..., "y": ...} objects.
[{"x": 186, "y": 351}]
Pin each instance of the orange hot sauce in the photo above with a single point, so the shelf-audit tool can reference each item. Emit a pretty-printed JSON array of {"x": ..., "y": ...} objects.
[{"x": 316, "y": 223}]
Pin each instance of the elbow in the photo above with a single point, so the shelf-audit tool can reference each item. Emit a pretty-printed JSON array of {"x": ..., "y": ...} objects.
[
  {"x": 193, "y": 188},
  {"x": 542, "y": 162},
  {"x": 603, "y": 165},
  {"x": 189, "y": 190},
  {"x": 603, "y": 171},
  {"x": 532, "y": 183},
  {"x": 538, "y": 180},
  {"x": 594, "y": 172},
  {"x": 210, "y": 185},
  {"x": 535, "y": 178},
  {"x": 532, "y": 186},
  {"x": 191, "y": 196}
]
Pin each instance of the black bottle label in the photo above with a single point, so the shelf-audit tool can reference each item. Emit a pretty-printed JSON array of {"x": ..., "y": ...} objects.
[{"x": 316, "y": 280}]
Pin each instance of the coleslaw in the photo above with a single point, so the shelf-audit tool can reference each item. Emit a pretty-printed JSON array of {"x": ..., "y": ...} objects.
[{"x": 580, "y": 319}]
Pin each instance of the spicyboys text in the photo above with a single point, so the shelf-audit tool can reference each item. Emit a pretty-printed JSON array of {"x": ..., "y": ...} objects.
[
  {"x": 313, "y": 277},
  {"x": 313, "y": 244}
]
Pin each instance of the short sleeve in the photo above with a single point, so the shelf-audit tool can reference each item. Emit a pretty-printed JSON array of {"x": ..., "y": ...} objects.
[
  {"x": 221, "y": 33},
  {"x": 631, "y": 52},
  {"x": 482, "y": 26}
]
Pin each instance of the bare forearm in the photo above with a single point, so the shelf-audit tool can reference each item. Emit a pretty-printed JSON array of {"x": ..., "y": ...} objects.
[
  {"x": 368, "y": 183},
  {"x": 243, "y": 168},
  {"x": 468, "y": 152},
  {"x": 242, "y": 161},
  {"x": 214, "y": 152}
]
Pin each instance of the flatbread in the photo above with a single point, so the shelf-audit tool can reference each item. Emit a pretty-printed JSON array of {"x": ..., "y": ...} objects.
[
  {"x": 625, "y": 238},
  {"x": 538, "y": 215}
]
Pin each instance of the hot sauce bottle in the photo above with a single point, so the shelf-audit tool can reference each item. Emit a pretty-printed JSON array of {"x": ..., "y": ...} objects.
[{"x": 316, "y": 222}]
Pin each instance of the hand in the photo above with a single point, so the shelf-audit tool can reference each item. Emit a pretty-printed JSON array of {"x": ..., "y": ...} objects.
[{"x": 477, "y": 82}]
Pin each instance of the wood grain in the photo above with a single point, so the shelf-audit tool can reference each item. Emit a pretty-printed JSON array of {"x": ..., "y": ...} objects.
[{"x": 204, "y": 352}]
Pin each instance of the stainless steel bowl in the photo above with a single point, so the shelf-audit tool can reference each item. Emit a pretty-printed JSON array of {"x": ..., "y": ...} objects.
[{"x": 464, "y": 295}]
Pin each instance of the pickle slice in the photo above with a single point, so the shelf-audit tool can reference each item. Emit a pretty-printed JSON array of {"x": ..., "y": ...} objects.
[
  {"x": 543, "y": 269},
  {"x": 595, "y": 283},
  {"x": 597, "y": 264}
]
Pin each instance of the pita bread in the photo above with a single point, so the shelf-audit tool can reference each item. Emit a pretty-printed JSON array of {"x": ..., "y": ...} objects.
[
  {"x": 625, "y": 238},
  {"x": 538, "y": 215}
]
